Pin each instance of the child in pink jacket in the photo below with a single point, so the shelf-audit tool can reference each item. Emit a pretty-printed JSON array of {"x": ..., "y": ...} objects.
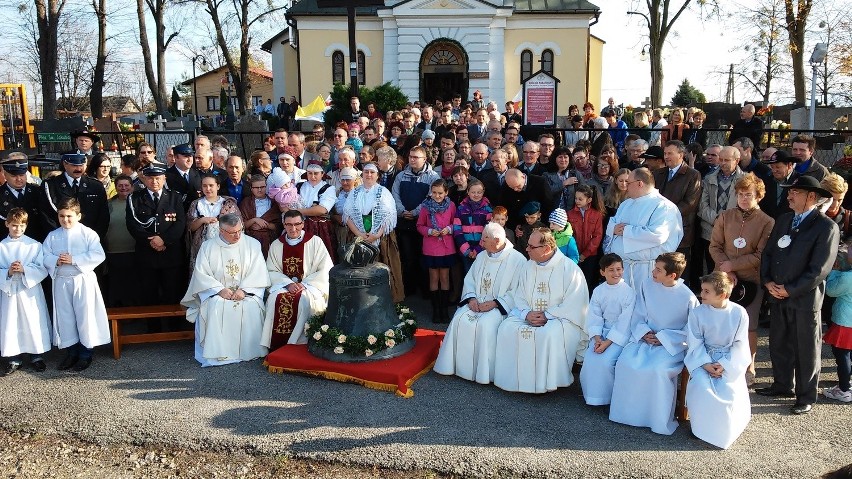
[{"x": 435, "y": 223}]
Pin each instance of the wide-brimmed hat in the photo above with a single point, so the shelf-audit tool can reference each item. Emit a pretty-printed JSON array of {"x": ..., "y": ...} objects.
[
  {"x": 95, "y": 138},
  {"x": 653, "y": 153},
  {"x": 744, "y": 292},
  {"x": 781, "y": 156},
  {"x": 808, "y": 183}
]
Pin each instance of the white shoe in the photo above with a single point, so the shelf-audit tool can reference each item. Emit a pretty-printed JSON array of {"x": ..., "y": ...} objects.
[{"x": 838, "y": 395}]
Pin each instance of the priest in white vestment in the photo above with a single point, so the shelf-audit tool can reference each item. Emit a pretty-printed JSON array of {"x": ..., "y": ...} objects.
[
  {"x": 298, "y": 266},
  {"x": 545, "y": 332},
  {"x": 646, "y": 373},
  {"x": 645, "y": 226},
  {"x": 717, "y": 338},
  {"x": 470, "y": 344},
  {"x": 24, "y": 322},
  {"x": 225, "y": 296}
]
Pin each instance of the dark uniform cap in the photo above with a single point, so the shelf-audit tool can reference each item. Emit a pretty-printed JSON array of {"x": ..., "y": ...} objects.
[
  {"x": 184, "y": 149},
  {"x": 781, "y": 156},
  {"x": 653, "y": 153},
  {"x": 154, "y": 169},
  {"x": 15, "y": 167},
  {"x": 74, "y": 159}
]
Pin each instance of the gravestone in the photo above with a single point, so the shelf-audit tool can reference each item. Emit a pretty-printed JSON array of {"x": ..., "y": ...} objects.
[{"x": 244, "y": 144}]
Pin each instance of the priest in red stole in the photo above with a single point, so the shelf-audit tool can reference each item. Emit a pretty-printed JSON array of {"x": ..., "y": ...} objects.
[{"x": 298, "y": 266}]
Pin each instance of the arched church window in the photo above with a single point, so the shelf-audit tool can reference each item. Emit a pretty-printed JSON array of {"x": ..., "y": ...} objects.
[
  {"x": 526, "y": 64},
  {"x": 337, "y": 69},
  {"x": 547, "y": 61},
  {"x": 362, "y": 68}
]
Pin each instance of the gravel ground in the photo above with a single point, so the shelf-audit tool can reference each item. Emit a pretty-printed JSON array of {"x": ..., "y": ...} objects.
[{"x": 155, "y": 407}]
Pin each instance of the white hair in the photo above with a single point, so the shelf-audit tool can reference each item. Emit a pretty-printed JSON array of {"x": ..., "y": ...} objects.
[{"x": 494, "y": 230}]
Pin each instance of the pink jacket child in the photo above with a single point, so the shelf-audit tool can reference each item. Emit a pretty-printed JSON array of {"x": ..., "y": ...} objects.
[
  {"x": 280, "y": 188},
  {"x": 443, "y": 244}
]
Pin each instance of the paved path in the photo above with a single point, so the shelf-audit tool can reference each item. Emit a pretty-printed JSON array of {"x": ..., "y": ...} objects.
[{"x": 157, "y": 394}]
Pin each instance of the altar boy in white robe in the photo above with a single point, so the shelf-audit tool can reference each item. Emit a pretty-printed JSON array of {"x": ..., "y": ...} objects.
[
  {"x": 645, "y": 226},
  {"x": 470, "y": 344},
  {"x": 71, "y": 254},
  {"x": 225, "y": 296},
  {"x": 545, "y": 332},
  {"x": 24, "y": 323},
  {"x": 717, "y": 358},
  {"x": 298, "y": 266},
  {"x": 646, "y": 373},
  {"x": 608, "y": 326}
]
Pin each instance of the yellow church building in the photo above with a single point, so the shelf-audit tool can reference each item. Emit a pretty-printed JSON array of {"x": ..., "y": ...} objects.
[{"x": 434, "y": 48}]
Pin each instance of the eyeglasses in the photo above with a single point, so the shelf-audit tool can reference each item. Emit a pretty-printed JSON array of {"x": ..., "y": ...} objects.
[
  {"x": 146, "y": 152},
  {"x": 529, "y": 246},
  {"x": 547, "y": 145},
  {"x": 236, "y": 232},
  {"x": 603, "y": 165},
  {"x": 293, "y": 225},
  {"x": 258, "y": 187}
]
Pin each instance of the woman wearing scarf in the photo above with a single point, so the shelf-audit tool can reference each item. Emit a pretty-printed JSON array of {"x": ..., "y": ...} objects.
[
  {"x": 370, "y": 214},
  {"x": 604, "y": 168},
  {"x": 435, "y": 224}
]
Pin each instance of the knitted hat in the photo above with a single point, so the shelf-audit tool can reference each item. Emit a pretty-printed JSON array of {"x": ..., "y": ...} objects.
[
  {"x": 531, "y": 208},
  {"x": 428, "y": 135},
  {"x": 558, "y": 217}
]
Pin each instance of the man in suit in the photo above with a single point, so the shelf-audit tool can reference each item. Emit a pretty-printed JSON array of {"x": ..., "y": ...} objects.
[
  {"x": 747, "y": 126},
  {"x": 17, "y": 193},
  {"x": 84, "y": 142},
  {"x": 479, "y": 159},
  {"x": 427, "y": 120},
  {"x": 798, "y": 257},
  {"x": 74, "y": 184},
  {"x": 204, "y": 166},
  {"x": 494, "y": 178},
  {"x": 519, "y": 189},
  {"x": 181, "y": 176},
  {"x": 775, "y": 203},
  {"x": 680, "y": 184},
  {"x": 749, "y": 161},
  {"x": 296, "y": 140},
  {"x": 530, "y": 164},
  {"x": 237, "y": 186},
  {"x": 156, "y": 218},
  {"x": 802, "y": 148},
  {"x": 478, "y": 129}
]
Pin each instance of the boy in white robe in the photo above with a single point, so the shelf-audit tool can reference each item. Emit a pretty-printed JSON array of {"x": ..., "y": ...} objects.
[
  {"x": 469, "y": 347},
  {"x": 225, "y": 296},
  {"x": 646, "y": 373},
  {"x": 545, "y": 332},
  {"x": 71, "y": 254},
  {"x": 24, "y": 323},
  {"x": 608, "y": 326},
  {"x": 718, "y": 356}
]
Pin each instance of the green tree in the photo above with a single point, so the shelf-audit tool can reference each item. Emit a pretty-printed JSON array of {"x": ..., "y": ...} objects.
[
  {"x": 687, "y": 95},
  {"x": 387, "y": 97}
]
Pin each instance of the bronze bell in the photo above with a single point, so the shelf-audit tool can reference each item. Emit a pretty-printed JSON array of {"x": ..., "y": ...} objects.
[{"x": 359, "y": 303}]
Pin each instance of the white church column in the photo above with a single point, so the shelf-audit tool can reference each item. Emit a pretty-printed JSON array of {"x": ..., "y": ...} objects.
[
  {"x": 496, "y": 80},
  {"x": 390, "y": 63}
]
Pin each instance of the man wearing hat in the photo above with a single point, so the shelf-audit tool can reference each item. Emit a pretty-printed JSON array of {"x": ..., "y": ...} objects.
[
  {"x": 74, "y": 184},
  {"x": 783, "y": 167},
  {"x": 84, "y": 141},
  {"x": 17, "y": 193},
  {"x": 798, "y": 257},
  {"x": 156, "y": 219},
  {"x": 318, "y": 198},
  {"x": 653, "y": 159},
  {"x": 181, "y": 176}
]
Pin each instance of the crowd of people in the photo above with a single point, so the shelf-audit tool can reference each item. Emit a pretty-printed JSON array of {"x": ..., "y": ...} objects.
[{"x": 587, "y": 244}]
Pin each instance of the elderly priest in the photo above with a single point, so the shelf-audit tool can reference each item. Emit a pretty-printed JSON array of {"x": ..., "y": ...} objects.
[{"x": 225, "y": 296}]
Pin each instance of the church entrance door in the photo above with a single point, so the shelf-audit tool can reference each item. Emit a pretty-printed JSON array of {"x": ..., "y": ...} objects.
[{"x": 443, "y": 71}]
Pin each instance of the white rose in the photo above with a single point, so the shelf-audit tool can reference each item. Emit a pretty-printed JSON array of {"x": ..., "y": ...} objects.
[
  {"x": 409, "y": 321},
  {"x": 317, "y": 335},
  {"x": 307, "y": 327},
  {"x": 400, "y": 316},
  {"x": 341, "y": 339},
  {"x": 405, "y": 310},
  {"x": 368, "y": 352},
  {"x": 390, "y": 343},
  {"x": 389, "y": 333},
  {"x": 338, "y": 350},
  {"x": 371, "y": 339},
  {"x": 324, "y": 327}
]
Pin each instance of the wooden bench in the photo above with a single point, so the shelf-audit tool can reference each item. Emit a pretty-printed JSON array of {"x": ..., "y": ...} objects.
[
  {"x": 115, "y": 315},
  {"x": 681, "y": 412}
]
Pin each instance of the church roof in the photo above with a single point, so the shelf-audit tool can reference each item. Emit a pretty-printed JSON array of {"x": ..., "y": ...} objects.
[
  {"x": 551, "y": 6},
  {"x": 309, "y": 7}
]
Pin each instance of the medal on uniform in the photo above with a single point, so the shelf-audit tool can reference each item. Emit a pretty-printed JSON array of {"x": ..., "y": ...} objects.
[
  {"x": 784, "y": 241},
  {"x": 741, "y": 242}
]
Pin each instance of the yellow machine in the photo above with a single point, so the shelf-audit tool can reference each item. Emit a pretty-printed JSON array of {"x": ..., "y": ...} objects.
[{"x": 15, "y": 128}]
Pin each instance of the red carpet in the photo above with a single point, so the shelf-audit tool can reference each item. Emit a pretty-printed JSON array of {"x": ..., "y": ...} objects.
[{"x": 395, "y": 374}]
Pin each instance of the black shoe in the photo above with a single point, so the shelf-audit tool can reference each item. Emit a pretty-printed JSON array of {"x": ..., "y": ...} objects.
[
  {"x": 38, "y": 365},
  {"x": 801, "y": 408},
  {"x": 69, "y": 361},
  {"x": 82, "y": 365},
  {"x": 11, "y": 368},
  {"x": 772, "y": 392}
]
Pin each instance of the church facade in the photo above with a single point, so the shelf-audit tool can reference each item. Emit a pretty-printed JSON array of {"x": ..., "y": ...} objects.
[{"x": 435, "y": 48}]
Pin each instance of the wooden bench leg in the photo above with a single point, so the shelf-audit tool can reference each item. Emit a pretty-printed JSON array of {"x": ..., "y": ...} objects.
[
  {"x": 681, "y": 412},
  {"x": 116, "y": 338}
]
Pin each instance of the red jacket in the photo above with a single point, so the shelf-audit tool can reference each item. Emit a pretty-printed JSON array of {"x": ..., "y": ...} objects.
[{"x": 588, "y": 231}]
